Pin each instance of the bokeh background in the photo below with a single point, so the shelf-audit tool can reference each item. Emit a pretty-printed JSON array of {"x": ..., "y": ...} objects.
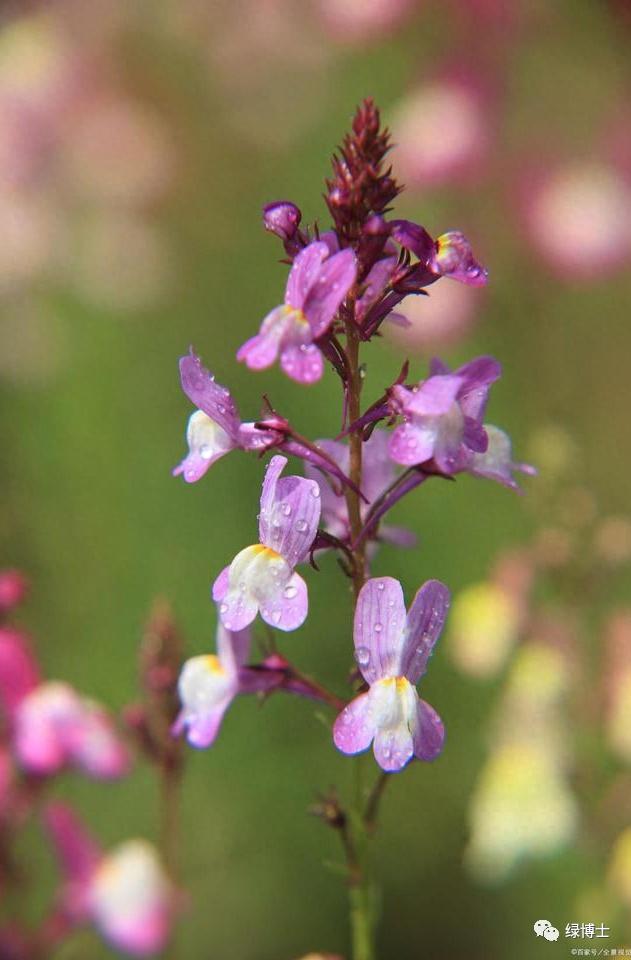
[{"x": 138, "y": 142}]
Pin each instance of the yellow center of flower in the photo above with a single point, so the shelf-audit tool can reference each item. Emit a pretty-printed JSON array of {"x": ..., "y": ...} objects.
[{"x": 212, "y": 664}]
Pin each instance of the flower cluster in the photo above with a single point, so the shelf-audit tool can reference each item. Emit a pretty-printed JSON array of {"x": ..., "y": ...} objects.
[
  {"x": 343, "y": 283},
  {"x": 47, "y": 728}
]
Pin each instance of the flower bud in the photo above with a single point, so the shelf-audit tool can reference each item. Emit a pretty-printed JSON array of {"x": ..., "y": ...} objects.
[{"x": 282, "y": 218}]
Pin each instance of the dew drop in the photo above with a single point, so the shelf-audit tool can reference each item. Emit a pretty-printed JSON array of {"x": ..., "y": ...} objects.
[
  {"x": 301, "y": 525},
  {"x": 381, "y": 585},
  {"x": 223, "y": 608},
  {"x": 378, "y": 628},
  {"x": 221, "y": 408},
  {"x": 362, "y": 655},
  {"x": 205, "y": 451},
  {"x": 286, "y": 508},
  {"x": 315, "y": 491},
  {"x": 290, "y": 592}
]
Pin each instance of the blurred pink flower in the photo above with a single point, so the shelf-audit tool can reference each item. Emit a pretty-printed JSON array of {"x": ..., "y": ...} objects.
[
  {"x": 125, "y": 893},
  {"x": 54, "y": 727},
  {"x": 357, "y": 21},
  {"x": 116, "y": 151},
  {"x": 578, "y": 218},
  {"x": 441, "y": 319},
  {"x": 442, "y": 130}
]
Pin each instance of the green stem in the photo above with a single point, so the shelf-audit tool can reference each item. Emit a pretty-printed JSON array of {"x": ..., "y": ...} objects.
[{"x": 362, "y": 922}]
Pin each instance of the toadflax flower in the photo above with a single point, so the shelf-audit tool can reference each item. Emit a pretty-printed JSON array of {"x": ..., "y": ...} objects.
[
  {"x": 54, "y": 727},
  {"x": 207, "y": 686},
  {"x": 50, "y": 725},
  {"x": 316, "y": 286},
  {"x": 261, "y": 577},
  {"x": 443, "y": 415},
  {"x": 392, "y": 650},
  {"x": 125, "y": 893},
  {"x": 215, "y": 428}
]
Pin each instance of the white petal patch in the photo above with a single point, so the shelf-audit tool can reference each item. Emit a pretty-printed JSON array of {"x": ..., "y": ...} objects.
[
  {"x": 205, "y": 438},
  {"x": 393, "y": 703},
  {"x": 203, "y": 685},
  {"x": 258, "y": 574}
]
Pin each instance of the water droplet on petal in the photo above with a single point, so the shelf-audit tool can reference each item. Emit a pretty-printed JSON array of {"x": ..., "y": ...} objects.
[
  {"x": 362, "y": 655},
  {"x": 223, "y": 608},
  {"x": 315, "y": 490},
  {"x": 301, "y": 525},
  {"x": 378, "y": 628},
  {"x": 290, "y": 592},
  {"x": 286, "y": 508}
]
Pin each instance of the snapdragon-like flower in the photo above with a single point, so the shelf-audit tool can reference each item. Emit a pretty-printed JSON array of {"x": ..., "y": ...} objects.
[
  {"x": 316, "y": 286},
  {"x": 496, "y": 463},
  {"x": 54, "y": 727},
  {"x": 450, "y": 255},
  {"x": 378, "y": 473},
  {"x": 207, "y": 686},
  {"x": 261, "y": 577},
  {"x": 125, "y": 893},
  {"x": 443, "y": 416},
  {"x": 215, "y": 428},
  {"x": 392, "y": 649}
]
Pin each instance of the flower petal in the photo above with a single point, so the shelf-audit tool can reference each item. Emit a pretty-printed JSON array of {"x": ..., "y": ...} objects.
[
  {"x": 233, "y": 649},
  {"x": 237, "y": 609},
  {"x": 19, "y": 673},
  {"x": 201, "y": 389},
  {"x": 302, "y": 362},
  {"x": 429, "y": 735},
  {"x": 335, "y": 279},
  {"x": 77, "y": 852},
  {"x": 207, "y": 442},
  {"x": 433, "y": 397},
  {"x": 378, "y": 628},
  {"x": 287, "y": 609},
  {"x": 411, "y": 444},
  {"x": 353, "y": 729},
  {"x": 202, "y": 729},
  {"x": 393, "y": 748},
  {"x": 304, "y": 273},
  {"x": 374, "y": 285},
  {"x": 425, "y": 622},
  {"x": 290, "y": 513},
  {"x": 260, "y": 351}
]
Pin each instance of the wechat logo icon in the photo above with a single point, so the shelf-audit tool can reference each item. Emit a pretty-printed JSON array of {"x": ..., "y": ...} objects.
[{"x": 543, "y": 928}]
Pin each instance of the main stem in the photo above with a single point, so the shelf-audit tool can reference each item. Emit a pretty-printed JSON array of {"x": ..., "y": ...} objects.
[{"x": 361, "y": 892}]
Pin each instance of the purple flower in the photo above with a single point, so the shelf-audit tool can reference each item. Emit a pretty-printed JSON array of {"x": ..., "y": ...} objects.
[
  {"x": 443, "y": 415},
  {"x": 261, "y": 577},
  {"x": 215, "y": 428},
  {"x": 316, "y": 286},
  {"x": 454, "y": 258},
  {"x": 392, "y": 649},
  {"x": 448, "y": 256},
  {"x": 378, "y": 473},
  {"x": 496, "y": 462},
  {"x": 208, "y": 685}
]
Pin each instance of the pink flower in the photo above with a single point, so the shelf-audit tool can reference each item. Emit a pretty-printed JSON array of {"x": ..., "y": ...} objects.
[
  {"x": 392, "y": 649},
  {"x": 261, "y": 577},
  {"x": 125, "y": 893},
  {"x": 316, "y": 286}
]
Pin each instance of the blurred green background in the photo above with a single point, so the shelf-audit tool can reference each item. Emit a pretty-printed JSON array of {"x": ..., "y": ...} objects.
[{"x": 250, "y": 104}]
